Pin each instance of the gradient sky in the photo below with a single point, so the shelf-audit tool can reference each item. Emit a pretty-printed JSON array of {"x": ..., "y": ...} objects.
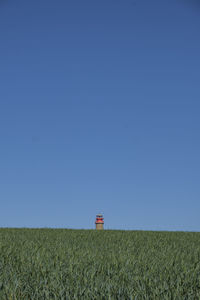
[{"x": 100, "y": 112}]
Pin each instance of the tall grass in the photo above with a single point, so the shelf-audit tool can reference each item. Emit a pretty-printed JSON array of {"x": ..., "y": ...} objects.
[{"x": 86, "y": 264}]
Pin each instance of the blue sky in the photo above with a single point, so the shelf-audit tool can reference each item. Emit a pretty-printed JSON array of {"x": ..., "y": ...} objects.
[{"x": 99, "y": 112}]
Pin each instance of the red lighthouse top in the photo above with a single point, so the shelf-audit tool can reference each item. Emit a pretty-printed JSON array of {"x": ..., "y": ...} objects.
[{"x": 99, "y": 219}]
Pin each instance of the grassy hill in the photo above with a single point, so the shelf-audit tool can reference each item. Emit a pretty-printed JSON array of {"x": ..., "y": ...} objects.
[{"x": 86, "y": 264}]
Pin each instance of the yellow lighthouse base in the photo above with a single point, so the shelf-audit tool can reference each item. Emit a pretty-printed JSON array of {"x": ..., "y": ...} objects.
[{"x": 99, "y": 226}]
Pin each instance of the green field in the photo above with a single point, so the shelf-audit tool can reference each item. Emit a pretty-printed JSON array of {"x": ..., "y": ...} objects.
[{"x": 86, "y": 264}]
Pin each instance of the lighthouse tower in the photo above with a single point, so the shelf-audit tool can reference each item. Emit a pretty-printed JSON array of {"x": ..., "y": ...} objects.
[{"x": 99, "y": 222}]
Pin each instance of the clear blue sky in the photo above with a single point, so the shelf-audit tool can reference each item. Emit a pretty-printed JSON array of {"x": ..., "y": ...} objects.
[{"x": 99, "y": 112}]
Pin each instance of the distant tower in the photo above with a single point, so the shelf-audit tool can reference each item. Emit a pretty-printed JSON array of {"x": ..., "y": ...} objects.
[{"x": 99, "y": 222}]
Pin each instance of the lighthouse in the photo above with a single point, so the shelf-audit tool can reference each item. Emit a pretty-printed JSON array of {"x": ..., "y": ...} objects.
[{"x": 99, "y": 222}]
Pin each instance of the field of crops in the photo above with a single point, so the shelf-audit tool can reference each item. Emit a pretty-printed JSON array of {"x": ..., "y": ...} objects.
[{"x": 85, "y": 264}]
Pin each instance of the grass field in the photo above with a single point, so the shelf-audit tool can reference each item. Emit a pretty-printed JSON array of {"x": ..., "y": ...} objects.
[{"x": 85, "y": 264}]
